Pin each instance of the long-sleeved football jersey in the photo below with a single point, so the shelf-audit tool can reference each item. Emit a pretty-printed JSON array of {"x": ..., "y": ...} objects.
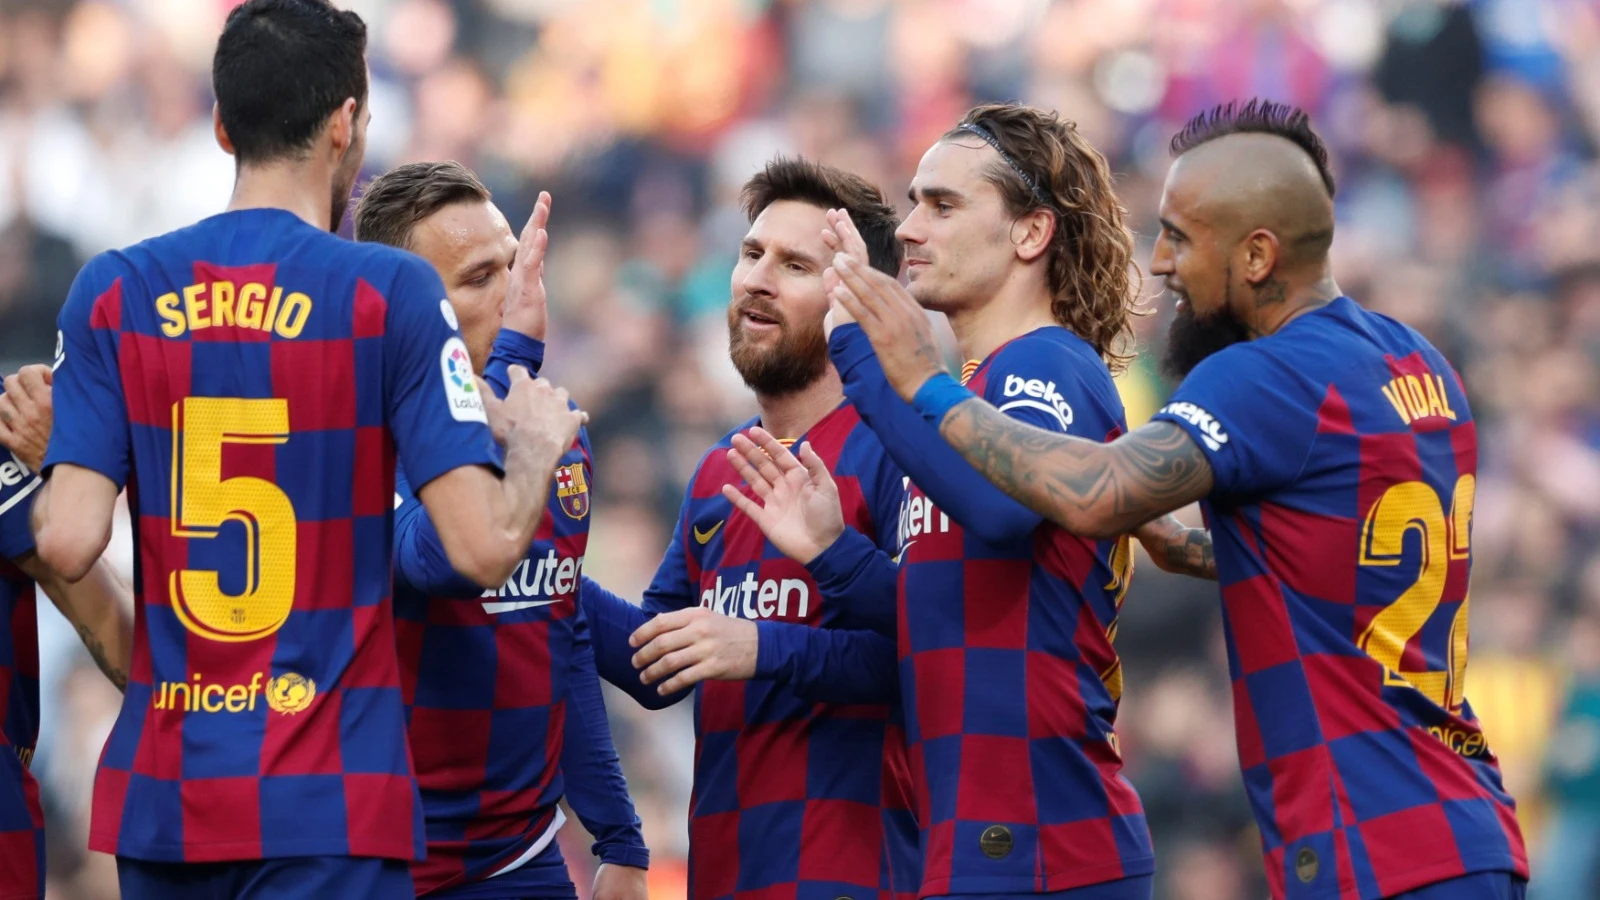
[
  {"x": 251, "y": 379},
  {"x": 1005, "y": 627},
  {"x": 1344, "y": 459},
  {"x": 792, "y": 796}
]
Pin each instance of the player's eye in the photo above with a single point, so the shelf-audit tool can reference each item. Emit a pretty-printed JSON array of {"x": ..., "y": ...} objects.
[
  {"x": 943, "y": 208},
  {"x": 752, "y": 254},
  {"x": 798, "y": 268},
  {"x": 480, "y": 281}
]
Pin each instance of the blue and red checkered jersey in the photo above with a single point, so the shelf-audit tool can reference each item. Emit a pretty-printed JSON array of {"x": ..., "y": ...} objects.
[
  {"x": 1345, "y": 456},
  {"x": 1006, "y": 625},
  {"x": 791, "y": 797},
  {"x": 21, "y": 818},
  {"x": 250, "y": 379},
  {"x": 491, "y": 680}
]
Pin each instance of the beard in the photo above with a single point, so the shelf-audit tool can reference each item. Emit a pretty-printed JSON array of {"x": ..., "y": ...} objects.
[
  {"x": 1191, "y": 339},
  {"x": 793, "y": 364}
]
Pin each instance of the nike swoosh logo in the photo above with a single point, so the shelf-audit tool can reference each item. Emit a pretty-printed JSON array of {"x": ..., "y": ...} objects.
[
  {"x": 505, "y": 606},
  {"x": 901, "y": 558},
  {"x": 703, "y": 537}
]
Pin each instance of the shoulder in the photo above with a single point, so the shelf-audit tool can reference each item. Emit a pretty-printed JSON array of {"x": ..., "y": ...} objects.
[{"x": 1053, "y": 370}]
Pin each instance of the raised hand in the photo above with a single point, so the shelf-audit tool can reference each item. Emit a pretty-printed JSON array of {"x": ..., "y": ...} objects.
[
  {"x": 535, "y": 414},
  {"x": 26, "y": 415},
  {"x": 526, "y": 311},
  {"x": 892, "y": 319},
  {"x": 841, "y": 236},
  {"x": 799, "y": 510}
]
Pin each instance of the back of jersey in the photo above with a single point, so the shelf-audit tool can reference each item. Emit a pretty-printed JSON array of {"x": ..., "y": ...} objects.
[
  {"x": 248, "y": 379},
  {"x": 1344, "y": 461}
]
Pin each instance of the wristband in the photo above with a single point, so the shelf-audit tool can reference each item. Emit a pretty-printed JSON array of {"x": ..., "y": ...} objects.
[{"x": 937, "y": 396}]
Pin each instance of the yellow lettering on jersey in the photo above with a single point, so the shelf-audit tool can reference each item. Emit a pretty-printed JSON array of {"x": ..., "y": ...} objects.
[
  {"x": 167, "y": 308},
  {"x": 1416, "y": 397},
  {"x": 194, "y": 303},
  {"x": 252, "y": 298},
  {"x": 209, "y": 697},
  {"x": 222, "y": 302},
  {"x": 248, "y": 305},
  {"x": 296, "y": 309}
]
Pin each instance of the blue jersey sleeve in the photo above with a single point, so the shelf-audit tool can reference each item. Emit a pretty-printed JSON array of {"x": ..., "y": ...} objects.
[
  {"x": 861, "y": 578},
  {"x": 829, "y": 665},
  {"x": 611, "y": 621},
  {"x": 420, "y": 563},
  {"x": 915, "y": 445},
  {"x": 91, "y": 415},
  {"x": 435, "y": 411},
  {"x": 1248, "y": 413},
  {"x": 17, "y": 487},
  {"x": 512, "y": 348},
  {"x": 595, "y": 787}
]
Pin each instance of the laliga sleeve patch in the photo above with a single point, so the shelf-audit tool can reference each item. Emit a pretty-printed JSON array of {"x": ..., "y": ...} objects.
[
  {"x": 460, "y": 391},
  {"x": 449, "y": 313}
]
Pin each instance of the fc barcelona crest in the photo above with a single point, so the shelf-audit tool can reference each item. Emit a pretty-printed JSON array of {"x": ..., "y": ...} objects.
[{"x": 572, "y": 489}]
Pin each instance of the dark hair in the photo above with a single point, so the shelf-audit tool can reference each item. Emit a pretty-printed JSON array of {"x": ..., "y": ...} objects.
[
  {"x": 280, "y": 69},
  {"x": 394, "y": 202},
  {"x": 799, "y": 179},
  {"x": 1257, "y": 116},
  {"x": 1046, "y": 164}
]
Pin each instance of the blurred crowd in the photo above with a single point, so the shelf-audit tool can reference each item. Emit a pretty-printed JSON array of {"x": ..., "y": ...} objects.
[{"x": 1464, "y": 135}]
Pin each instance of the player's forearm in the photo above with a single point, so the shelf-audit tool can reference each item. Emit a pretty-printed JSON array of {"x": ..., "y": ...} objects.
[
  {"x": 100, "y": 608},
  {"x": 595, "y": 787},
  {"x": 69, "y": 542},
  {"x": 860, "y": 578},
  {"x": 612, "y": 620},
  {"x": 913, "y": 443},
  {"x": 1179, "y": 549},
  {"x": 825, "y": 665},
  {"x": 1091, "y": 489}
]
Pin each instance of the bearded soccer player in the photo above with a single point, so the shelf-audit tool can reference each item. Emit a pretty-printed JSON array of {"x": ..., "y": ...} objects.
[
  {"x": 1335, "y": 457},
  {"x": 95, "y": 606},
  {"x": 251, "y": 379},
  {"x": 1005, "y": 621},
  {"x": 504, "y": 706},
  {"x": 800, "y": 785}
]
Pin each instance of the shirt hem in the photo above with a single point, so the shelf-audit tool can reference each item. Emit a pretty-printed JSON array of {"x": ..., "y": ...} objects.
[
  {"x": 235, "y": 851},
  {"x": 1414, "y": 879},
  {"x": 1038, "y": 884}
]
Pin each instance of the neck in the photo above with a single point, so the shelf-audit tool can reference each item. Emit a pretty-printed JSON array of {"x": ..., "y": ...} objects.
[
  {"x": 302, "y": 188},
  {"x": 1277, "y": 306},
  {"x": 788, "y": 416},
  {"x": 1020, "y": 306}
]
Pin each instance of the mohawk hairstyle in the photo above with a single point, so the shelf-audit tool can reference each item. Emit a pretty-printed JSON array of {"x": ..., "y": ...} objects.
[{"x": 1257, "y": 116}]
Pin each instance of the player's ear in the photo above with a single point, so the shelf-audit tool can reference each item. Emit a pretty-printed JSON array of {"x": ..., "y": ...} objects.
[
  {"x": 1261, "y": 251},
  {"x": 223, "y": 141},
  {"x": 342, "y": 126},
  {"x": 1032, "y": 233}
]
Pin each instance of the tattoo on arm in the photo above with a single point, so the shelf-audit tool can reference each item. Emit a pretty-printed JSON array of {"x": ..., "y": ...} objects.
[
  {"x": 98, "y": 651},
  {"x": 1089, "y": 488}
]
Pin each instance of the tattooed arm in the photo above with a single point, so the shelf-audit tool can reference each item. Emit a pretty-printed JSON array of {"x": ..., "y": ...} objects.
[
  {"x": 1175, "y": 547},
  {"x": 99, "y": 606},
  {"x": 1090, "y": 489}
]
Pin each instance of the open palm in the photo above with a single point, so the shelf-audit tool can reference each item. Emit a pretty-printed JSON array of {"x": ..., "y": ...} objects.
[{"x": 798, "y": 508}]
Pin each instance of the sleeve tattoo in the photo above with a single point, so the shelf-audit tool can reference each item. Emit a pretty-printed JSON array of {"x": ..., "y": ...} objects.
[
  {"x": 1088, "y": 488},
  {"x": 1179, "y": 549}
]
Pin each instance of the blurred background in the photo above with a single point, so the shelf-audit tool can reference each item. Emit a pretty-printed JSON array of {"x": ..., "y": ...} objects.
[{"x": 1464, "y": 135}]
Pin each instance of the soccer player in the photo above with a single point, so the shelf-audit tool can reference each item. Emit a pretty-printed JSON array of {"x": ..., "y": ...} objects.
[
  {"x": 251, "y": 379},
  {"x": 800, "y": 783},
  {"x": 505, "y": 712},
  {"x": 1005, "y": 622},
  {"x": 1335, "y": 456},
  {"x": 96, "y": 605}
]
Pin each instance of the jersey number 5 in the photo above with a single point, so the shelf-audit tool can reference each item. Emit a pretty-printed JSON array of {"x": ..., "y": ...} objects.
[
  {"x": 1402, "y": 508},
  {"x": 203, "y": 501}
]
